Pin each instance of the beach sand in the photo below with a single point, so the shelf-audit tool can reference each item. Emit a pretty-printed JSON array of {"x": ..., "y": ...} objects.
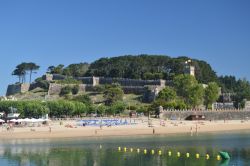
[{"x": 141, "y": 128}]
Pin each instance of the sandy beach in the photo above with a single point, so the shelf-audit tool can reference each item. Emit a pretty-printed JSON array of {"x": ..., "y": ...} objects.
[{"x": 141, "y": 128}]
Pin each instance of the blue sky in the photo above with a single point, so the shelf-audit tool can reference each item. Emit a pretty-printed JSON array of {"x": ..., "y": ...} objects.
[{"x": 52, "y": 32}]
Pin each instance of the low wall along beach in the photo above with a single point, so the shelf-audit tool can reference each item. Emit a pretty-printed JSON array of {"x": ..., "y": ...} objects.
[{"x": 209, "y": 114}]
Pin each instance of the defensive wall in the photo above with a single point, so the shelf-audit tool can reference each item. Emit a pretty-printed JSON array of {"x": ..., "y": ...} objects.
[
  {"x": 17, "y": 88},
  {"x": 148, "y": 88},
  {"x": 209, "y": 114}
]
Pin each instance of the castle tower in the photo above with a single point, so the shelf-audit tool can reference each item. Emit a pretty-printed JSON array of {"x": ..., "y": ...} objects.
[{"x": 189, "y": 68}]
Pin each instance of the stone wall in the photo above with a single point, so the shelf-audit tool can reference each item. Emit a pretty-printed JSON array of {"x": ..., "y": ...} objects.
[
  {"x": 17, "y": 88},
  {"x": 209, "y": 115},
  {"x": 131, "y": 82},
  {"x": 58, "y": 77},
  {"x": 102, "y": 80},
  {"x": 48, "y": 77},
  {"x": 148, "y": 88},
  {"x": 89, "y": 80}
]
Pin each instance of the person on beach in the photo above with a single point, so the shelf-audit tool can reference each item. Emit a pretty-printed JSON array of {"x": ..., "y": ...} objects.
[
  {"x": 191, "y": 131},
  {"x": 50, "y": 129},
  {"x": 153, "y": 131}
]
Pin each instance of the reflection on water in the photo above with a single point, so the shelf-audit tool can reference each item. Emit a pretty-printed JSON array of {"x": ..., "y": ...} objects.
[{"x": 87, "y": 151}]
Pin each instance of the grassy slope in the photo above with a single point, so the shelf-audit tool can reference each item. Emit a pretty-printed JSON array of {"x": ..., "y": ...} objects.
[{"x": 130, "y": 99}]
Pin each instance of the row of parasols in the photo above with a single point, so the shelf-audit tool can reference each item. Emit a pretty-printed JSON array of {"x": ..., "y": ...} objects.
[{"x": 26, "y": 120}]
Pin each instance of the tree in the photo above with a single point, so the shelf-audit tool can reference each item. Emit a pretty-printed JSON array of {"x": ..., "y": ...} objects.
[
  {"x": 79, "y": 108},
  {"x": 76, "y": 70},
  {"x": 65, "y": 90},
  {"x": 195, "y": 96},
  {"x": 187, "y": 87},
  {"x": 228, "y": 83},
  {"x": 75, "y": 89},
  {"x": 211, "y": 94},
  {"x": 149, "y": 67},
  {"x": 55, "y": 70},
  {"x": 50, "y": 69},
  {"x": 112, "y": 94},
  {"x": 242, "y": 93},
  {"x": 20, "y": 71},
  {"x": 116, "y": 108},
  {"x": 31, "y": 67},
  {"x": 85, "y": 99},
  {"x": 167, "y": 94}
]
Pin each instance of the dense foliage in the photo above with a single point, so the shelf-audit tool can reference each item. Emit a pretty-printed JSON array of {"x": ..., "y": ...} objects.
[
  {"x": 185, "y": 93},
  {"x": 23, "y": 69},
  {"x": 188, "y": 88},
  {"x": 149, "y": 67},
  {"x": 239, "y": 89},
  {"x": 211, "y": 94},
  {"x": 60, "y": 108},
  {"x": 112, "y": 94},
  {"x": 74, "y": 70}
]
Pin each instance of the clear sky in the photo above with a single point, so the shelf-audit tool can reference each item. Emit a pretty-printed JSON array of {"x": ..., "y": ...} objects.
[{"x": 52, "y": 32}]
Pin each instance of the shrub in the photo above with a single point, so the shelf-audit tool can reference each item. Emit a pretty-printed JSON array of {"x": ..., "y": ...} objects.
[
  {"x": 43, "y": 84},
  {"x": 75, "y": 89},
  {"x": 65, "y": 90}
]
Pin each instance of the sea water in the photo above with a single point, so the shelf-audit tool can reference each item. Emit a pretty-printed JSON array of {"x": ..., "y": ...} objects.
[{"x": 116, "y": 151}]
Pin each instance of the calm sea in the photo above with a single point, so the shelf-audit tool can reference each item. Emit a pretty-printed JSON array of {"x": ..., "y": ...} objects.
[{"x": 104, "y": 151}]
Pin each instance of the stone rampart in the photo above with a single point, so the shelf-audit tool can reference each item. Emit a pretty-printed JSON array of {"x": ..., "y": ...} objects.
[
  {"x": 139, "y": 90},
  {"x": 131, "y": 82},
  {"x": 103, "y": 80},
  {"x": 17, "y": 88},
  {"x": 209, "y": 115}
]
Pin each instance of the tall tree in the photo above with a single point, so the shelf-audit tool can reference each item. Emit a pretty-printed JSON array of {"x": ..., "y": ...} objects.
[
  {"x": 55, "y": 70},
  {"x": 242, "y": 93},
  {"x": 211, "y": 94},
  {"x": 32, "y": 67},
  {"x": 167, "y": 94},
  {"x": 189, "y": 89},
  {"x": 112, "y": 94},
  {"x": 20, "y": 71}
]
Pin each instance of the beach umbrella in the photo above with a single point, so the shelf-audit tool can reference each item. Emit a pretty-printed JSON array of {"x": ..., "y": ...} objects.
[
  {"x": 1, "y": 120},
  {"x": 13, "y": 120},
  {"x": 47, "y": 120},
  {"x": 33, "y": 120},
  {"x": 40, "y": 120},
  {"x": 20, "y": 120},
  {"x": 26, "y": 120}
]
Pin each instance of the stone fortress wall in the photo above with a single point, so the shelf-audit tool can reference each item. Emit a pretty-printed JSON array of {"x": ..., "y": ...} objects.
[
  {"x": 17, "y": 88},
  {"x": 148, "y": 88}
]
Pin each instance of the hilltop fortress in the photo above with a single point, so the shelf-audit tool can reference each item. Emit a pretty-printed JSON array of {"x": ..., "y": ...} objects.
[{"x": 148, "y": 88}]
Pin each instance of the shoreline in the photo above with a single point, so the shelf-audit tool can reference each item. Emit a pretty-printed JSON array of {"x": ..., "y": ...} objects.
[{"x": 171, "y": 127}]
